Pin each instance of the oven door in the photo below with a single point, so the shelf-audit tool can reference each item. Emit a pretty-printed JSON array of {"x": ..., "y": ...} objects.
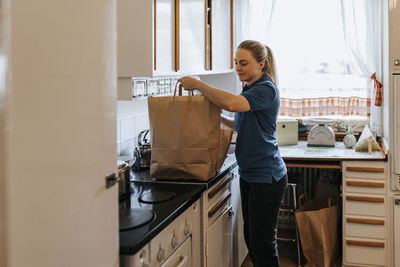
[{"x": 182, "y": 257}]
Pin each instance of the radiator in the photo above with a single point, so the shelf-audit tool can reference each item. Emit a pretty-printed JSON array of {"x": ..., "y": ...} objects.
[{"x": 306, "y": 180}]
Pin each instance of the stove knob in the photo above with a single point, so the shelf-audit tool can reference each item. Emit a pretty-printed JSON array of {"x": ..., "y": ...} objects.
[
  {"x": 143, "y": 263},
  {"x": 161, "y": 254},
  {"x": 174, "y": 241},
  {"x": 187, "y": 229}
]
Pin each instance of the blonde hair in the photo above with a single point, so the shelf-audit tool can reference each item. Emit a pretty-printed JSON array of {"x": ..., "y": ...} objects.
[{"x": 261, "y": 53}]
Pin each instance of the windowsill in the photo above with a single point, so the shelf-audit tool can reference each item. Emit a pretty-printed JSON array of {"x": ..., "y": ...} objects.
[{"x": 345, "y": 120}]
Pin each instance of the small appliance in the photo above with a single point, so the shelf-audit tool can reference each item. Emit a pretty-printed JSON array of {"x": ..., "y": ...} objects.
[
  {"x": 321, "y": 134},
  {"x": 287, "y": 132}
]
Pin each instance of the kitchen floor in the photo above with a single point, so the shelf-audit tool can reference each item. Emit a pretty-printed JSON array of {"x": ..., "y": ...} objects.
[{"x": 287, "y": 256}]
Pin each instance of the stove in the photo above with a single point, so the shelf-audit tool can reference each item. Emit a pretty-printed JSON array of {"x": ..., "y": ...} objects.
[{"x": 150, "y": 208}]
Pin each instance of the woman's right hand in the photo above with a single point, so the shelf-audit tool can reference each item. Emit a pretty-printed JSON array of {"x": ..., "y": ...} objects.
[{"x": 190, "y": 83}]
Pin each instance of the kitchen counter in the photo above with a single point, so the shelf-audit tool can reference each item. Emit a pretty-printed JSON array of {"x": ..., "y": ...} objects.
[
  {"x": 303, "y": 152},
  {"x": 186, "y": 193}
]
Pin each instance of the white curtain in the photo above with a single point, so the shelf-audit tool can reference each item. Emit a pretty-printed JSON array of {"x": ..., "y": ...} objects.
[
  {"x": 254, "y": 19},
  {"x": 362, "y": 30}
]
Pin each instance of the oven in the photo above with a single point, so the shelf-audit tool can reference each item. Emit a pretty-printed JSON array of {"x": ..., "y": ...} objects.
[{"x": 160, "y": 225}]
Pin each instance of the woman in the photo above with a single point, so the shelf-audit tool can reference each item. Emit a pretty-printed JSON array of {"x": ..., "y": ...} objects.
[{"x": 263, "y": 178}]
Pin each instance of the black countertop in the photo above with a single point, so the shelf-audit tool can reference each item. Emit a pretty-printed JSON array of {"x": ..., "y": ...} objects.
[{"x": 186, "y": 193}]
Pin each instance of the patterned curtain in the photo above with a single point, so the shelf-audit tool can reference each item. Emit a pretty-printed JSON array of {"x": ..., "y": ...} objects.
[{"x": 322, "y": 106}]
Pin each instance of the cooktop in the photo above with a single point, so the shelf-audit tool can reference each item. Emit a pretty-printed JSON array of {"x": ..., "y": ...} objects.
[{"x": 150, "y": 208}]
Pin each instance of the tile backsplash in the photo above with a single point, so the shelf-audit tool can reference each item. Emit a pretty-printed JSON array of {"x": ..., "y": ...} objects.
[{"x": 132, "y": 119}]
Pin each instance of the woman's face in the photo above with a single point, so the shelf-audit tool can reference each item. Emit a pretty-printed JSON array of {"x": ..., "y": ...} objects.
[{"x": 247, "y": 67}]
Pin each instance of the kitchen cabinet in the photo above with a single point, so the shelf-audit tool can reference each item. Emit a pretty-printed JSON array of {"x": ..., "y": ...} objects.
[
  {"x": 394, "y": 33},
  {"x": 135, "y": 38},
  {"x": 146, "y": 40},
  {"x": 217, "y": 217},
  {"x": 239, "y": 245},
  {"x": 164, "y": 38},
  {"x": 173, "y": 37},
  {"x": 191, "y": 36},
  {"x": 365, "y": 213},
  {"x": 221, "y": 35}
]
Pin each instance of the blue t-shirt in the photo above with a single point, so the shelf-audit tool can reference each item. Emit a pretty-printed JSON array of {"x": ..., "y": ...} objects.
[{"x": 257, "y": 151}]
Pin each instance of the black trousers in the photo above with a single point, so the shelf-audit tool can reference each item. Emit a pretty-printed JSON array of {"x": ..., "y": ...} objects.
[{"x": 260, "y": 206}]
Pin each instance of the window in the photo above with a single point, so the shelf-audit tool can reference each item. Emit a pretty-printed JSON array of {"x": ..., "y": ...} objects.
[{"x": 325, "y": 52}]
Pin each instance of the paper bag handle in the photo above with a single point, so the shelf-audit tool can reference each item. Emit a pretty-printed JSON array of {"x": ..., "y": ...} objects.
[{"x": 180, "y": 89}]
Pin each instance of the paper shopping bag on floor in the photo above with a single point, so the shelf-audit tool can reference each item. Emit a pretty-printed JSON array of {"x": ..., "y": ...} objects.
[
  {"x": 185, "y": 136},
  {"x": 317, "y": 221}
]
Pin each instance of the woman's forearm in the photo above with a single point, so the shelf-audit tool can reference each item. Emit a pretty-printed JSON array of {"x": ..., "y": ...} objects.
[
  {"x": 218, "y": 97},
  {"x": 224, "y": 100}
]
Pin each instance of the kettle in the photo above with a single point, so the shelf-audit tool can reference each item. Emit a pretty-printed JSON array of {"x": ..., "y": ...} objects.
[{"x": 142, "y": 151}]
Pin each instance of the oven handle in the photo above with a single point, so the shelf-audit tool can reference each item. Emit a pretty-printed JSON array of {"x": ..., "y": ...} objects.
[{"x": 182, "y": 261}]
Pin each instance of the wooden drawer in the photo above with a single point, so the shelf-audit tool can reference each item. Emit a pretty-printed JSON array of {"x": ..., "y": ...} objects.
[
  {"x": 362, "y": 251},
  {"x": 362, "y": 204},
  {"x": 364, "y": 186},
  {"x": 364, "y": 169},
  {"x": 364, "y": 227}
]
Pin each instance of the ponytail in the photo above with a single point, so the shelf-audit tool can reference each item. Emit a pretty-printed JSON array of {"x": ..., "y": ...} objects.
[{"x": 269, "y": 66}]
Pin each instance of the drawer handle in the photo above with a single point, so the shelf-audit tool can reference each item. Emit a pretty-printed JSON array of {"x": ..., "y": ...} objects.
[
  {"x": 365, "y": 184},
  {"x": 366, "y": 199},
  {"x": 366, "y": 221},
  {"x": 219, "y": 205},
  {"x": 219, "y": 187},
  {"x": 365, "y": 243},
  {"x": 365, "y": 169}
]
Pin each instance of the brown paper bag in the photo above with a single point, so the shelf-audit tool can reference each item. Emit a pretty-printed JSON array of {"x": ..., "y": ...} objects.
[
  {"x": 185, "y": 135},
  {"x": 225, "y": 141},
  {"x": 317, "y": 222}
]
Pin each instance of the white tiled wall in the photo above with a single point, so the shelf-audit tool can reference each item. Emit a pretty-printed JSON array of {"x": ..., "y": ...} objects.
[{"x": 132, "y": 119}]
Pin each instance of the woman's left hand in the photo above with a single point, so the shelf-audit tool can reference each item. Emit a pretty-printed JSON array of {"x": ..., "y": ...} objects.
[{"x": 190, "y": 83}]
